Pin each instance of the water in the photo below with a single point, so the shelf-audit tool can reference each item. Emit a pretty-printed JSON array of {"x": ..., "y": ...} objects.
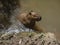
[{"x": 50, "y": 12}]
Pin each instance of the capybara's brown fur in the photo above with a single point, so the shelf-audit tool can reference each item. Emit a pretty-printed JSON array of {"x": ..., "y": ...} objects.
[{"x": 30, "y": 19}]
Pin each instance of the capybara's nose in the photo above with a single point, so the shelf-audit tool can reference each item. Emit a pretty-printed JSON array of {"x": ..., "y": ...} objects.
[{"x": 39, "y": 18}]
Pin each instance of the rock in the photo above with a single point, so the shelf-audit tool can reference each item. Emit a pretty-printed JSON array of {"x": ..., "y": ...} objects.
[
  {"x": 6, "y": 36},
  {"x": 30, "y": 38},
  {"x": 39, "y": 39}
]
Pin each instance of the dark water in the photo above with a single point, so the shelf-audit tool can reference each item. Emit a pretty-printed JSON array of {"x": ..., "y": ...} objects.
[{"x": 50, "y": 12}]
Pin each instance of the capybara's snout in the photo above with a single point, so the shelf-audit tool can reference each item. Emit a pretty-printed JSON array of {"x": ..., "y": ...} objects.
[{"x": 38, "y": 18}]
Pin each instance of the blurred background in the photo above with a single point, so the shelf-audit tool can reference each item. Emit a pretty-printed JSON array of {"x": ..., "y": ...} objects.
[{"x": 50, "y": 12}]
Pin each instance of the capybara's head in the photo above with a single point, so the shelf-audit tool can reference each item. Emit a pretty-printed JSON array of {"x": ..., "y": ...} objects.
[
  {"x": 34, "y": 16},
  {"x": 29, "y": 18}
]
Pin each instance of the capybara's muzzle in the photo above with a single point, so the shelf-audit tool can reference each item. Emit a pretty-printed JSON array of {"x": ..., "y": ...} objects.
[{"x": 38, "y": 18}]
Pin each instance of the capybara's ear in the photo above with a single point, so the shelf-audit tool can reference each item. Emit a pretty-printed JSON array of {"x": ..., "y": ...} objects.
[{"x": 31, "y": 11}]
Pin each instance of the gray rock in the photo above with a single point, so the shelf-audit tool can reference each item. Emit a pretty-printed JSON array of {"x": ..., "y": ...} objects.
[
  {"x": 40, "y": 39},
  {"x": 29, "y": 38}
]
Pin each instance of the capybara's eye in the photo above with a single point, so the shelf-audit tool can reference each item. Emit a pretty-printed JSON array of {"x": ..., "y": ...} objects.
[{"x": 30, "y": 13}]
